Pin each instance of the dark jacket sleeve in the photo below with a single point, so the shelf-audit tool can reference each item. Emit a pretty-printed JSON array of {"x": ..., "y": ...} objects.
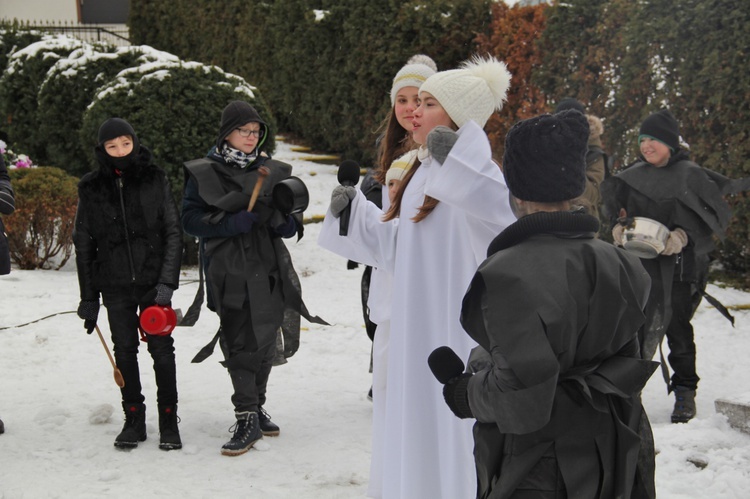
[
  {"x": 172, "y": 233},
  {"x": 7, "y": 199},
  {"x": 198, "y": 219},
  {"x": 86, "y": 250}
]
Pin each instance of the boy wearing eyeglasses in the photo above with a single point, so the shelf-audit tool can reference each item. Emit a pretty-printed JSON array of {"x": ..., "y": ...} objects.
[{"x": 251, "y": 283}]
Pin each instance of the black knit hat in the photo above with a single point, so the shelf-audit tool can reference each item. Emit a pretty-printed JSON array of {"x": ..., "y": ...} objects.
[
  {"x": 663, "y": 127},
  {"x": 570, "y": 103},
  {"x": 236, "y": 114},
  {"x": 117, "y": 127},
  {"x": 545, "y": 157}
]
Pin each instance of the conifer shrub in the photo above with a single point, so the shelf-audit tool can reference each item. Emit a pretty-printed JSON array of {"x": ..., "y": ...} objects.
[
  {"x": 70, "y": 86},
  {"x": 20, "y": 82},
  {"x": 175, "y": 109},
  {"x": 40, "y": 230},
  {"x": 12, "y": 39}
]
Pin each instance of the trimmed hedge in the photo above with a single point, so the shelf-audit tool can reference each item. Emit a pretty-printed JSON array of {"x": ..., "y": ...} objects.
[
  {"x": 324, "y": 66},
  {"x": 70, "y": 86},
  {"x": 20, "y": 82}
]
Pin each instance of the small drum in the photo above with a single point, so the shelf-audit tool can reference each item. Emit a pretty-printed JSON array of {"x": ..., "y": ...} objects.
[
  {"x": 158, "y": 320},
  {"x": 645, "y": 238}
]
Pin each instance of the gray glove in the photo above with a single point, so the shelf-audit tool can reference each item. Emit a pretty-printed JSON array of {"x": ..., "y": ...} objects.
[
  {"x": 341, "y": 197},
  {"x": 440, "y": 141},
  {"x": 163, "y": 294},
  {"x": 88, "y": 310}
]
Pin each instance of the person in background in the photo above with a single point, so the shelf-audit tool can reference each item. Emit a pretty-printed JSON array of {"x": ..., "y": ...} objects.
[
  {"x": 597, "y": 167},
  {"x": 128, "y": 245},
  {"x": 450, "y": 205},
  {"x": 558, "y": 410},
  {"x": 665, "y": 186},
  {"x": 395, "y": 147},
  {"x": 396, "y": 152},
  {"x": 251, "y": 282},
  {"x": 7, "y": 206}
]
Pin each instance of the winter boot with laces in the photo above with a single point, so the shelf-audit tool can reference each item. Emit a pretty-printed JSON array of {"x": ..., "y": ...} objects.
[
  {"x": 134, "y": 429},
  {"x": 246, "y": 433},
  {"x": 684, "y": 405},
  {"x": 169, "y": 434},
  {"x": 267, "y": 427}
]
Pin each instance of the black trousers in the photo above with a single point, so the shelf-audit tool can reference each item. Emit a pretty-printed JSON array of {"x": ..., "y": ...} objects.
[
  {"x": 122, "y": 312},
  {"x": 680, "y": 336},
  {"x": 249, "y": 364}
]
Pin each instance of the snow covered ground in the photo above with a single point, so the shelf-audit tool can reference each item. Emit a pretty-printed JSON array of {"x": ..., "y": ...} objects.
[{"x": 61, "y": 406}]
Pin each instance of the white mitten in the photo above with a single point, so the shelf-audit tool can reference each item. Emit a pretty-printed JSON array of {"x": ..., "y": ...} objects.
[
  {"x": 617, "y": 232},
  {"x": 677, "y": 240}
]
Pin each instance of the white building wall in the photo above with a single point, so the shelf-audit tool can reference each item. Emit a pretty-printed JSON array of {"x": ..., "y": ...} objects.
[{"x": 39, "y": 10}]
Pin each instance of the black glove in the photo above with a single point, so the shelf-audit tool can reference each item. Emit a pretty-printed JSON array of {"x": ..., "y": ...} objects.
[
  {"x": 163, "y": 294},
  {"x": 440, "y": 141},
  {"x": 88, "y": 310},
  {"x": 456, "y": 396},
  {"x": 288, "y": 228},
  {"x": 243, "y": 221}
]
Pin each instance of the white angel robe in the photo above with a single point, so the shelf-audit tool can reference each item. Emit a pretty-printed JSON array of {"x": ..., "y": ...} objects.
[{"x": 426, "y": 451}]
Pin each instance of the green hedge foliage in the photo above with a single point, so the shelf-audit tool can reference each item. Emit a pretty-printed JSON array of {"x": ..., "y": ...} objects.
[
  {"x": 68, "y": 89},
  {"x": 12, "y": 39},
  {"x": 40, "y": 229},
  {"x": 324, "y": 66},
  {"x": 20, "y": 82}
]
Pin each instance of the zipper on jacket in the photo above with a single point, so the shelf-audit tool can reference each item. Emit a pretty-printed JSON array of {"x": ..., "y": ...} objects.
[{"x": 125, "y": 224}]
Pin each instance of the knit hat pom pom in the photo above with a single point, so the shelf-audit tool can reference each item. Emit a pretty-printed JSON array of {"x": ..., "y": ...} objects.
[
  {"x": 422, "y": 59},
  {"x": 492, "y": 71}
]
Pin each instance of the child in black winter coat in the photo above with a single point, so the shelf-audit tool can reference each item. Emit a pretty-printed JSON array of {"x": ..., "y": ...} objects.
[{"x": 128, "y": 243}]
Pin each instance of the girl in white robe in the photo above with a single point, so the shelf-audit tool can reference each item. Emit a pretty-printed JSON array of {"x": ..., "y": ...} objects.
[{"x": 426, "y": 451}]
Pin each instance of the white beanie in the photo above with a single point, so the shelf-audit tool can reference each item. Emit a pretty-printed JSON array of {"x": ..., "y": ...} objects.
[
  {"x": 417, "y": 69},
  {"x": 401, "y": 166},
  {"x": 472, "y": 92}
]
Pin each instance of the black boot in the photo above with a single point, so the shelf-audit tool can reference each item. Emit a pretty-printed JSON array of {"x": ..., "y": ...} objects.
[
  {"x": 169, "y": 434},
  {"x": 267, "y": 427},
  {"x": 684, "y": 405},
  {"x": 134, "y": 429},
  {"x": 2, "y": 427},
  {"x": 246, "y": 433}
]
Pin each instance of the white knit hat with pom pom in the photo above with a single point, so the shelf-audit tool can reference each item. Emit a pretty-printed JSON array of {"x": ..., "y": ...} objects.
[
  {"x": 417, "y": 69},
  {"x": 473, "y": 91}
]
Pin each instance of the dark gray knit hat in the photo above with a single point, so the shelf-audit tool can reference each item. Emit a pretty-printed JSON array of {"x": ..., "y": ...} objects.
[
  {"x": 236, "y": 114},
  {"x": 663, "y": 127},
  {"x": 545, "y": 157}
]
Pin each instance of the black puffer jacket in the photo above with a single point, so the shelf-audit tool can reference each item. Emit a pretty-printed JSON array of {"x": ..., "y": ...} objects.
[{"x": 127, "y": 229}]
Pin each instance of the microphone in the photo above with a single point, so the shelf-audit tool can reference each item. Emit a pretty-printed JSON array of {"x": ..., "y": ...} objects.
[
  {"x": 445, "y": 364},
  {"x": 348, "y": 175}
]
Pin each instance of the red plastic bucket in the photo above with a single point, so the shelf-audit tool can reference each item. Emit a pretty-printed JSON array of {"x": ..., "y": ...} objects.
[{"x": 158, "y": 320}]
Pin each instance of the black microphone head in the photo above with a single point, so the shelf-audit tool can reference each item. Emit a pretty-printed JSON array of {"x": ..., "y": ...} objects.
[
  {"x": 348, "y": 172},
  {"x": 445, "y": 364}
]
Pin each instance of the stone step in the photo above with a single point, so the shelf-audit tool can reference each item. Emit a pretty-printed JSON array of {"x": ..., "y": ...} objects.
[{"x": 737, "y": 411}]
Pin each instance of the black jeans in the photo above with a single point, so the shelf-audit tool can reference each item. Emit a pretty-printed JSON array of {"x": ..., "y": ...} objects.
[
  {"x": 122, "y": 312},
  {"x": 680, "y": 337}
]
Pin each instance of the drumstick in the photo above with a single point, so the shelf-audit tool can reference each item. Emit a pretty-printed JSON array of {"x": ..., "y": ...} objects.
[{"x": 262, "y": 174}]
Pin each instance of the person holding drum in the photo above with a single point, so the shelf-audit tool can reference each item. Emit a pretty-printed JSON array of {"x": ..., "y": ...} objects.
[{"x": 672, "y": 204}]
